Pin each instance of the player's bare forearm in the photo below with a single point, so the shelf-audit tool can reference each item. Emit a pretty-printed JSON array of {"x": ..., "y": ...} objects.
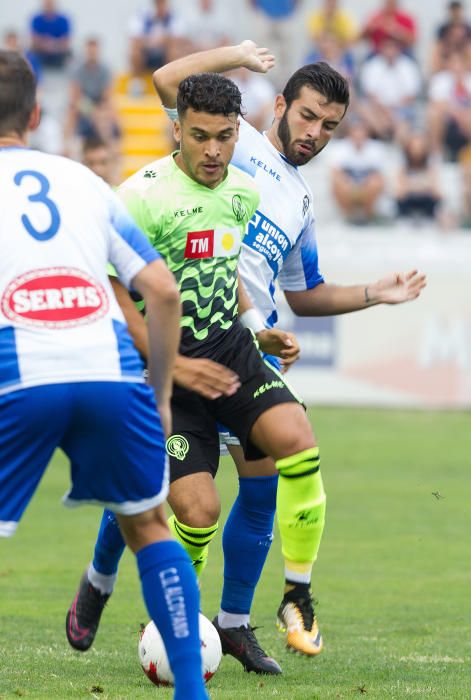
[
  {"x": 332, "y": 299},
  {"x": 136, "y": 324},
  {"x": 328, "y": 300},
  {"x": 157, "y": 285},
  {"x": 167, "y": 79}
]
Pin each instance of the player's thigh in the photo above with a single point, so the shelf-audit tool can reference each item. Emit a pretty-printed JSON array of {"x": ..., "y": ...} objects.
[
  {"x": 193, "y": 450},
  {"x": 283, "y": 430},
  {"x": 263, "y": 388},
  {"x": 247, "y": 468},
  {"x": 116, "y": 447},
  {"x": 32, "y": 422}
]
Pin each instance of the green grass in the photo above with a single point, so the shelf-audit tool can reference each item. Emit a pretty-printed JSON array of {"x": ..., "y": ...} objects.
[{"x": 393, "y": 578}]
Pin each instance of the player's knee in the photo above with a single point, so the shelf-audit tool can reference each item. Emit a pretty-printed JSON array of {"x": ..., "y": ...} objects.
[
  {"x": 199, "y": 513},
  {"x": 296, "y": 444}
]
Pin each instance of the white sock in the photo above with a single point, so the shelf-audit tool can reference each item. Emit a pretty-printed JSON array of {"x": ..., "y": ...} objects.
[
  {"x": 104, "y": 582},
  {"x": 226, "y": 620},
  {"x": 298, "y": 577}
]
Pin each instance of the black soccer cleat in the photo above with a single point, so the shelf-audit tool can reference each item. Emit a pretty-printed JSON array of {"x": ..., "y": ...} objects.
[
  {"x": 241, "y": 643},
  {"x": 83, "y": 616}
]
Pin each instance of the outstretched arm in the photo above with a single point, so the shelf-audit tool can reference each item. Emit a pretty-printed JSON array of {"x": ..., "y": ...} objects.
[
  {"x": 247, "y": 55},
  {"x": 332, "y": 299}
]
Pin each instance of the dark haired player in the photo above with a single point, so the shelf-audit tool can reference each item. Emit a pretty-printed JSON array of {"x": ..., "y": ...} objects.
[
  {"x": 66, "y": 357},
  {"x": 195, "y": 207},
  {"x": 280, "y": 244}
]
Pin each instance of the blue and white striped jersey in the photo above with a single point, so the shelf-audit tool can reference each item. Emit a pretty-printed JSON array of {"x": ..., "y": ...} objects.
[
  {"x": 280, "y": 242},
  {"x": 59, "y": 319}
]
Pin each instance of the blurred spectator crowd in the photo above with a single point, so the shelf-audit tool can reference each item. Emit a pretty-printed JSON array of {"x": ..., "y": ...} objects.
[{"x": 403, "y": 152}]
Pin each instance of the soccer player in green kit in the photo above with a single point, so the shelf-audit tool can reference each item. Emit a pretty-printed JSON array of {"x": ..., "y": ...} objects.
[{"x": 195, "y": 207}]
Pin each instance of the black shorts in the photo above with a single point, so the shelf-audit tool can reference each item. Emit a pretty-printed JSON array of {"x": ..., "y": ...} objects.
[{"x": 194, "y": 444}]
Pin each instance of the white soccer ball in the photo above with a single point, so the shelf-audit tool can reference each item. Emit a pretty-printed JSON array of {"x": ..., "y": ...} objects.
[{"x": 153, "y": 657}]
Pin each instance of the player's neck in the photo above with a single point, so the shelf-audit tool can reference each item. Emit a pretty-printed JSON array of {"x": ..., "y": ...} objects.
[
  {"x": 12, "y": 140},
  {"x": 272, "y": 136}
]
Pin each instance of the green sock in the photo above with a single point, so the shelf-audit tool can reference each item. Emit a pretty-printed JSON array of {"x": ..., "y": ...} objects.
[
  {"x": 195, "y": 540},
  {"x": 300, "y": 507}
]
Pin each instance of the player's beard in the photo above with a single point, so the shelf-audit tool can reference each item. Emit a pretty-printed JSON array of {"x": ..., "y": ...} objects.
[{"x": 284, "y": 134}]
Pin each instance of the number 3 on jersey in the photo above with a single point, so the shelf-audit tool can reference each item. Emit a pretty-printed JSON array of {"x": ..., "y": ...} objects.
[{"x": 41, "y": 197}]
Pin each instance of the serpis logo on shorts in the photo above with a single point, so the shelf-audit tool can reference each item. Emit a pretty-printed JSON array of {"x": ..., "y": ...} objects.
[
  {"x": 56, "y": 297},
  {"x": 213, "y": 243},
  {"x": 263, "y": 236}
]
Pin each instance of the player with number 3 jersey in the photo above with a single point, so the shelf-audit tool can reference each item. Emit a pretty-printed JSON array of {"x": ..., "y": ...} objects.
[{"x": 70, "y": 376}]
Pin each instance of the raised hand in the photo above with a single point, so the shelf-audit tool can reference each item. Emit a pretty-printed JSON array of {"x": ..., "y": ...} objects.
[{"x": 256, "y": 59}]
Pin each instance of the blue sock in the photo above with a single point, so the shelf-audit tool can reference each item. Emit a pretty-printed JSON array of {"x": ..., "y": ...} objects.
[
  {"x": 171, "y": 595},
  {"x": 246, "y": 540},
  {"x": 109, "y": 546}
]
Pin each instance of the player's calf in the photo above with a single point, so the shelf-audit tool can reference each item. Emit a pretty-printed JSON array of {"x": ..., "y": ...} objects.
[
  {"x": 301, "y": 505},
  {"x": 195, "y": 541},
  {"x": 196, "y": 505},
  {"x": 171, "y": 595}
]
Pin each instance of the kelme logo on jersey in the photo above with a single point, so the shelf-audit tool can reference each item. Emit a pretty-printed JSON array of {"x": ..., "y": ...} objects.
[
  {"x": 214, "y": 243},
  {"x": 177, "y": 446},
  {"x": 262, "y": 235},
  {"x": 56, "y": 297}
]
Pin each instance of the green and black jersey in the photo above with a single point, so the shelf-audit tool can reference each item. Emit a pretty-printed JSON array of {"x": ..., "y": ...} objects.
[{"x": 198, "y": 231}]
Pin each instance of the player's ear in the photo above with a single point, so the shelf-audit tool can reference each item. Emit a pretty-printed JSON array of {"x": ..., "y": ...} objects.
[
  {"x": 280, "y": 106},
  {"x": 177, "y": 130},
  {"x": 237, "y": 129},
  {"x": 35, "y": 117}
]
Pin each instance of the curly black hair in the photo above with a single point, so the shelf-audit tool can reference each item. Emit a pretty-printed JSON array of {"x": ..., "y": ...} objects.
[
  {"x": 208, "y": 92},
  {"x": 321, "y": 77}
]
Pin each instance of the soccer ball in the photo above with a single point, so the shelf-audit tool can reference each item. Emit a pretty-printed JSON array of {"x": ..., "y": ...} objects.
[{"x": 153, "y": 657}]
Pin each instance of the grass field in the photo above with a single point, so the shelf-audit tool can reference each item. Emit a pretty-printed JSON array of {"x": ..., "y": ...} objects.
[{"x": 393, "y": 578}]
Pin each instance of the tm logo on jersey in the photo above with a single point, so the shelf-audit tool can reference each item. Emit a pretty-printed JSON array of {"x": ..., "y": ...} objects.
[
  {"x": 266, "y": 238},
  {"x": 214, "y": 243}
]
